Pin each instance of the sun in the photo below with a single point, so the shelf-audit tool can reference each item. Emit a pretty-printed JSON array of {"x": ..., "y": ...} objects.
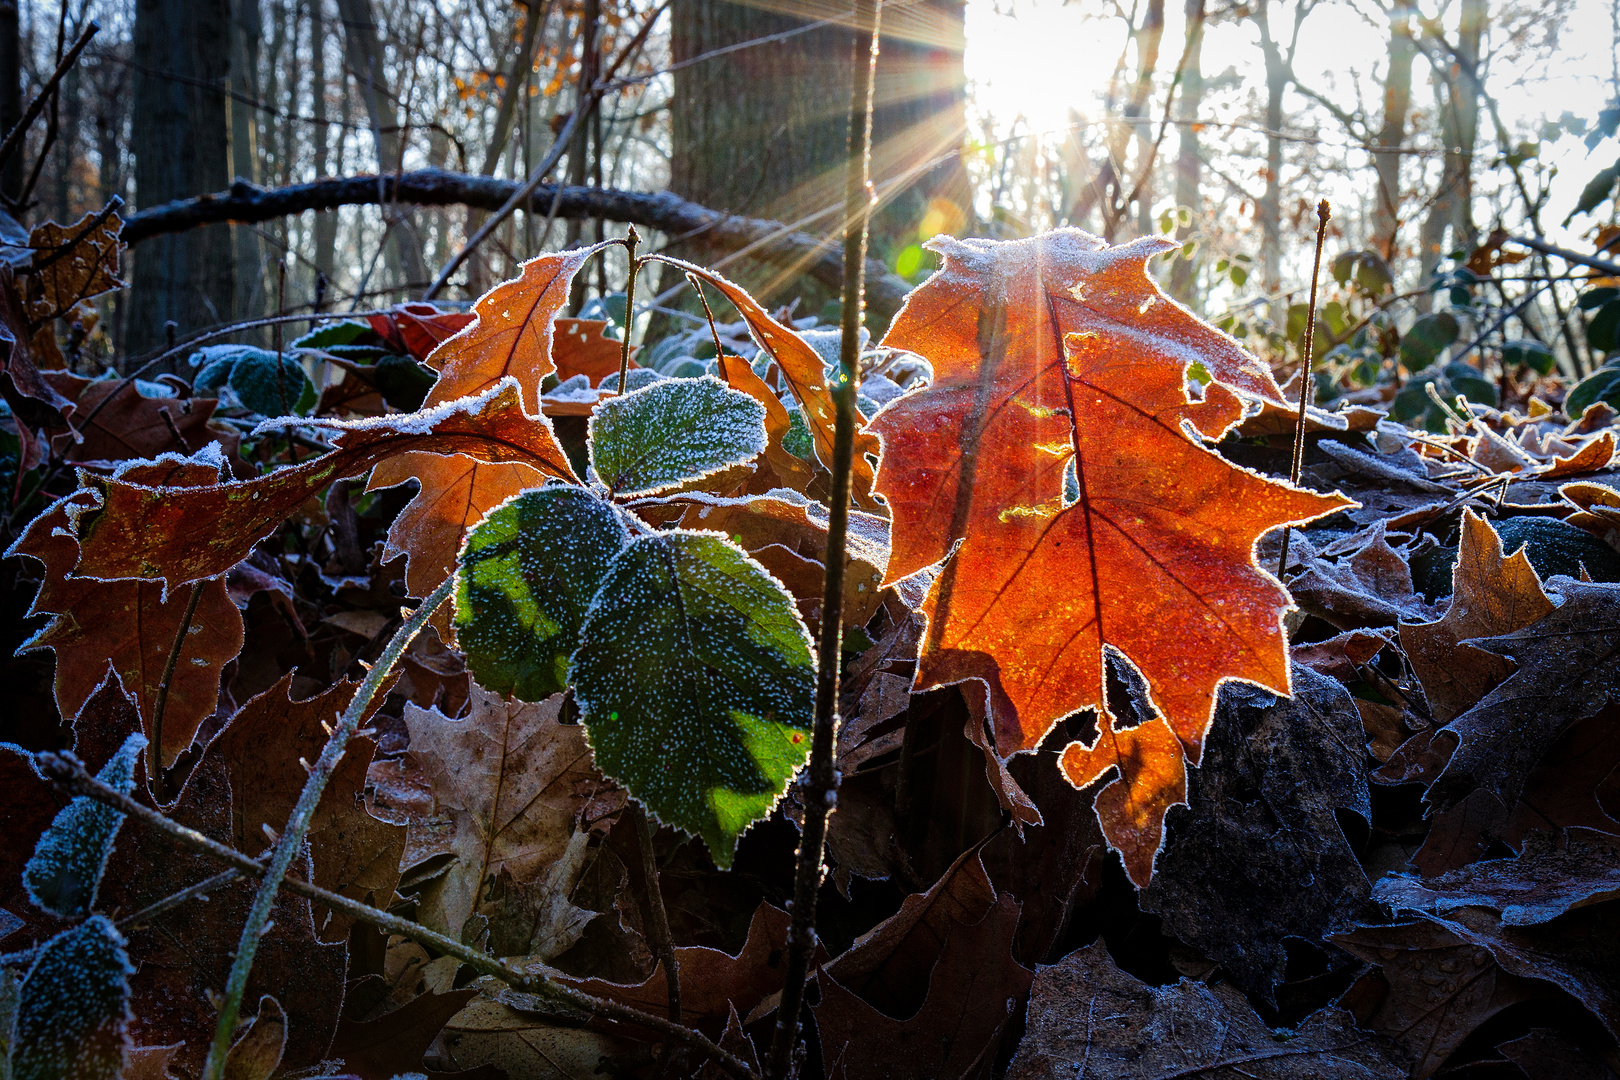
[{"x": 1037, "y": 59}]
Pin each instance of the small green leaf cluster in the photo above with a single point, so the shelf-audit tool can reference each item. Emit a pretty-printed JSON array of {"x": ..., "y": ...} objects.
[
  {"x": 690, "y": 663},
  {"x": 265, "y": 383}
]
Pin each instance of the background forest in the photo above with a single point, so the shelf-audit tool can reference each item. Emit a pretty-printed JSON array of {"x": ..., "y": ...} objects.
[{"x": 472, "y": 562}]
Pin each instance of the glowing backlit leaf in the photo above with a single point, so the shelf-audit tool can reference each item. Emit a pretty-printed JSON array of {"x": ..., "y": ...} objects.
[
  {"x": 1054, "y": 350},
  {"x": 695, "y": 676}
]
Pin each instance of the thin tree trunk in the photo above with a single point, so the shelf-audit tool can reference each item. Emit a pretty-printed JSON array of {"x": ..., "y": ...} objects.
[
  {"x": 1271, "y": 200},
  {"x": 366, "y": 61},
  {"x": 1149, "y": 40},
  {"x": 11, "y": 97},
  {"x": 247, "y": 30},
  {"x": 579, "y": 151},
  {"x": 1189, "y": 163},
  {"x": 1458, "y": 100},
  {"x": 181, "y": 144},
  {"x": 1391, "y": 137},
  {"x": 320, "y": 132}
]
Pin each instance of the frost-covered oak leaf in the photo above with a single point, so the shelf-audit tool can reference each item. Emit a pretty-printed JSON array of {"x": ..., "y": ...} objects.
[
  {"x": 696, "y": 678},
  {"x": 511, "y": 337},
  {"x": 672, "y": 432},
  {"x": 180, "y": 534},
  {"x": 1058, "y": 353}
]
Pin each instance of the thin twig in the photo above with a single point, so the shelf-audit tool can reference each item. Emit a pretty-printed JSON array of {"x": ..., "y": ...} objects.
[
  {"x": 1323, "y": 212},
  {"x": 819, "y": 784},
  {"x": 292, "y": 836},
  {"x": 155, "y": 757},
  {"x": 15, "y": 136},
  {"x": 69, "y": 772},
  {"x": 631, "y": 240}
]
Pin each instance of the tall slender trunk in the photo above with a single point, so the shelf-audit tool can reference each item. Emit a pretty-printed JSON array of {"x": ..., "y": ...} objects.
[
  {"x": 1391, "y": 137},
  {"x": 181, "y": 144},
  {"x": 325, "y": 220},
  {"x": 1457, "y": 92},
  {"x": 1189, "y": 156},
  {"x": 247, "y": 30},
  {"x": 579, "y": 150},
  {"x": 364, "y": 50},
  {"x": 67, "y": 140},
  {"x": 11, "y": 100},
  {"x": 1271, "y": 200}
]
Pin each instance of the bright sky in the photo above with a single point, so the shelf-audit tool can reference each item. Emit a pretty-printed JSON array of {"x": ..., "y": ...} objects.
[{"x": 1039, "y": 58}]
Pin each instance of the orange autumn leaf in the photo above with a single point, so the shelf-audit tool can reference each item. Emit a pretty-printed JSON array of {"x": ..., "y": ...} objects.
[
  {"x": 417, "y": 329},
  {"x": 580, "y": 348},
  {"x": 130, "y": 624},
  {"x": 511, "y": 336},
  {"x": 802, "y": 368},
  {"x": 788, "y": 470},
  {"x": 1060, "y": 350},
  {"x": 181, "y": 534}
]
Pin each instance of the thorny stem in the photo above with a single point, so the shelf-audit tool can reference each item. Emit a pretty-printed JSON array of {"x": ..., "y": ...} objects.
[
  {"x": 1323, "y": 213},
  {"x": 69, "y": 772},
  {"x": 819, "y": 785},
  {"x": 292, "y": 836},
  {"x": 657, "y": 918},
  {"x": 155, "y": 757},
  {"x": 631, "y": 241}
]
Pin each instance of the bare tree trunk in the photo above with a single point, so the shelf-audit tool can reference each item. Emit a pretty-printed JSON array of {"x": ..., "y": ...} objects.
[
  {"x": 1391, "y": 137},
  {"x": 1189, "y": 158},
  {"x": 366, "y": 61},
  {"x": 67, "y": 138},
  {"x": 247, "y": 30},
  {"x": 325, "y": 223},
  {"x": 579, "y": 151},
  {"x": 11, "y": 103},
  {"x": 1459, "y": 124},
  {"x": 1271, "y": 200},
  {"x": 181, "y": 143},
  {"x": 1148, "y": 41}
]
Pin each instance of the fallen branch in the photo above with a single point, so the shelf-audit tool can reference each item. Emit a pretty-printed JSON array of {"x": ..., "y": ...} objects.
[{"x": 823, "y": 260}]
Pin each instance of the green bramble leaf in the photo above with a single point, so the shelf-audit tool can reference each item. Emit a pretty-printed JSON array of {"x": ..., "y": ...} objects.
[
  {"x": 65, "y": 870},
  {"x": 73, "y": 1007},
  {"x": 263, "y": 382},
  {"x": 1427, "y": 339},
  {"x": 676, "y": 430},
  {"x": 696, "y": 679},
  {"x": 528, "y": 574},
  {"x": 1602, "y": 385},
  {"x": 1527, "y": 352}
]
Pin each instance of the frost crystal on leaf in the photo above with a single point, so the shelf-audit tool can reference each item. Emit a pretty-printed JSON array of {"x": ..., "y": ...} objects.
[
  {"x": 696, "y": 679},
  {"x": 528, "y": 574},
  {"x": 675, "y": 430},
  {"x": 65, "y": 870},
  {"x": 73, "y": 1007}
]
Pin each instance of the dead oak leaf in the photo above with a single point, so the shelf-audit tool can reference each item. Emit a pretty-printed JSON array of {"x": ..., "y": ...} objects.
[
  {"x": 181, "y": 534},
  {"x": 1060, "y": 350},
  {"x": 76, "y": 263},
  {"x": 417, "y": 329},
  {"x": 515, "y": 784},
  {"x": 1490, "y": 595}
]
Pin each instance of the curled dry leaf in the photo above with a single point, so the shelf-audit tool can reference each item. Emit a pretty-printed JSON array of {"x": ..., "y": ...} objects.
[
  {"x": 1490, "y": 595},
  {"x": 133, "y": 530},
  {"x": 417, "y": 329},
  {"x": 86, "y": 268},
  {"x": 1060, "y": 350}
]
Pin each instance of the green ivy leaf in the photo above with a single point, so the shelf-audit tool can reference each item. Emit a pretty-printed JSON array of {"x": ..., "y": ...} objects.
[
  {"x": 1603, "y": 332},
  {"x": 1602, "y": 385},
  {"x": 342, "y": 332},
  {"x": 402, "y": 381},
  {"x": 696, "y": 680},
  {"x": 675, "y": 430},
  {"x": 73, "y": 1007},
  {"x": 528, "y": 574},
  {"x": 264, "y": 382},
  {"x": 65, "y": 870},
  {"x": 1528, "y": 352}
]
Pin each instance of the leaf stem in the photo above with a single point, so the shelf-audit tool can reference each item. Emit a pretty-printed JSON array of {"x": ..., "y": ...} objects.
[
  {"x": 1323, "y": 213},
  {"x": 292, "y": 836},
  {"x": 154, "y": 764},
  {"x": 69, "y": 772},
  {"x": 631, "y": 241},
  {"x": 819, "y": 784}
]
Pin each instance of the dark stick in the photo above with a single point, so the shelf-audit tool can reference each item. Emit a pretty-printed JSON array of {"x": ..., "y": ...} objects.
[
  {"x": 15, "y": 136},
  {"x": 1323, "y": 212},
  {"x": 657, "y": 918},
  {"x": 155, "y": 759},
  {"x": 69, "y": 772},
  {"x": 818, "y": 786}
]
